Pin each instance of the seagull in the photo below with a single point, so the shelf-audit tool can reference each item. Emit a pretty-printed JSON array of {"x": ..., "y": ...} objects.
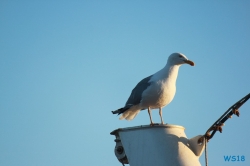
[{"x": 154, "y": 91}]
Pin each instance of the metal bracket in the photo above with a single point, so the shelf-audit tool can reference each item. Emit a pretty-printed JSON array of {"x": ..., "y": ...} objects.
[{"x": 217, "y": 126}]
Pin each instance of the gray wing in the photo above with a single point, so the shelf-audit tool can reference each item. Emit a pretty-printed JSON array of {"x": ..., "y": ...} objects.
[{"x": 135, "y": 96}]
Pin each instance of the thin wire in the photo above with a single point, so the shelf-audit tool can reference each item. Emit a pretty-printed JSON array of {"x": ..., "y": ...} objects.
[
  {"x": 122, "y": 163},
  {"x": 206, "y": 159},
  {"x": 222, "y": 120}
]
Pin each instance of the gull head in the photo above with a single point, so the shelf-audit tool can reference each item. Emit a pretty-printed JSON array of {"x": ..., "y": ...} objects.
[{"x": 179, "y": 59}]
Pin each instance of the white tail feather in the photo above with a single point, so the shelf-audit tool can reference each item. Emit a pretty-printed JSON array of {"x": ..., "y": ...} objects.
[{"x": 130, "y": 113}]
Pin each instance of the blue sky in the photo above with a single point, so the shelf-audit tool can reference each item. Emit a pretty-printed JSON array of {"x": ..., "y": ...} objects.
[{"x": 64, "y": 65}]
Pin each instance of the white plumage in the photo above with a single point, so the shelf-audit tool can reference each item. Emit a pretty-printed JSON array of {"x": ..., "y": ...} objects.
[{"x": 155, "y": 91}]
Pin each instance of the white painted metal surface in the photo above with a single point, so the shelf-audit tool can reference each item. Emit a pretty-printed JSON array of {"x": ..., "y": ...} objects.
[{"x": 159, "y": 145}]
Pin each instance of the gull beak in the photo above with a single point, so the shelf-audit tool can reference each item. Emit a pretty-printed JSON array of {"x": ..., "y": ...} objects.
[{"x": 189, "y": 62}]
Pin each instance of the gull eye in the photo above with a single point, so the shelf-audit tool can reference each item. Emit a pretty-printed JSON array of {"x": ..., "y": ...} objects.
[{"x": 180, "y": 56}]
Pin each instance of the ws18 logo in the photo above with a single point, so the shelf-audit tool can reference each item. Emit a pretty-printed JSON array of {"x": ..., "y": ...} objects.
[{"x": 234, "y": 158}]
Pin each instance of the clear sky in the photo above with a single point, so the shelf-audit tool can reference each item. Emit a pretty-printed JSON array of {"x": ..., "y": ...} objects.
[{"x": 65, "y": 65}]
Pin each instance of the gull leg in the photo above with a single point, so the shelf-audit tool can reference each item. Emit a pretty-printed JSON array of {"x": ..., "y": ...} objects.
[
  {"x": 160, "y": 112},
  {"x": 149, "y": 113}
]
